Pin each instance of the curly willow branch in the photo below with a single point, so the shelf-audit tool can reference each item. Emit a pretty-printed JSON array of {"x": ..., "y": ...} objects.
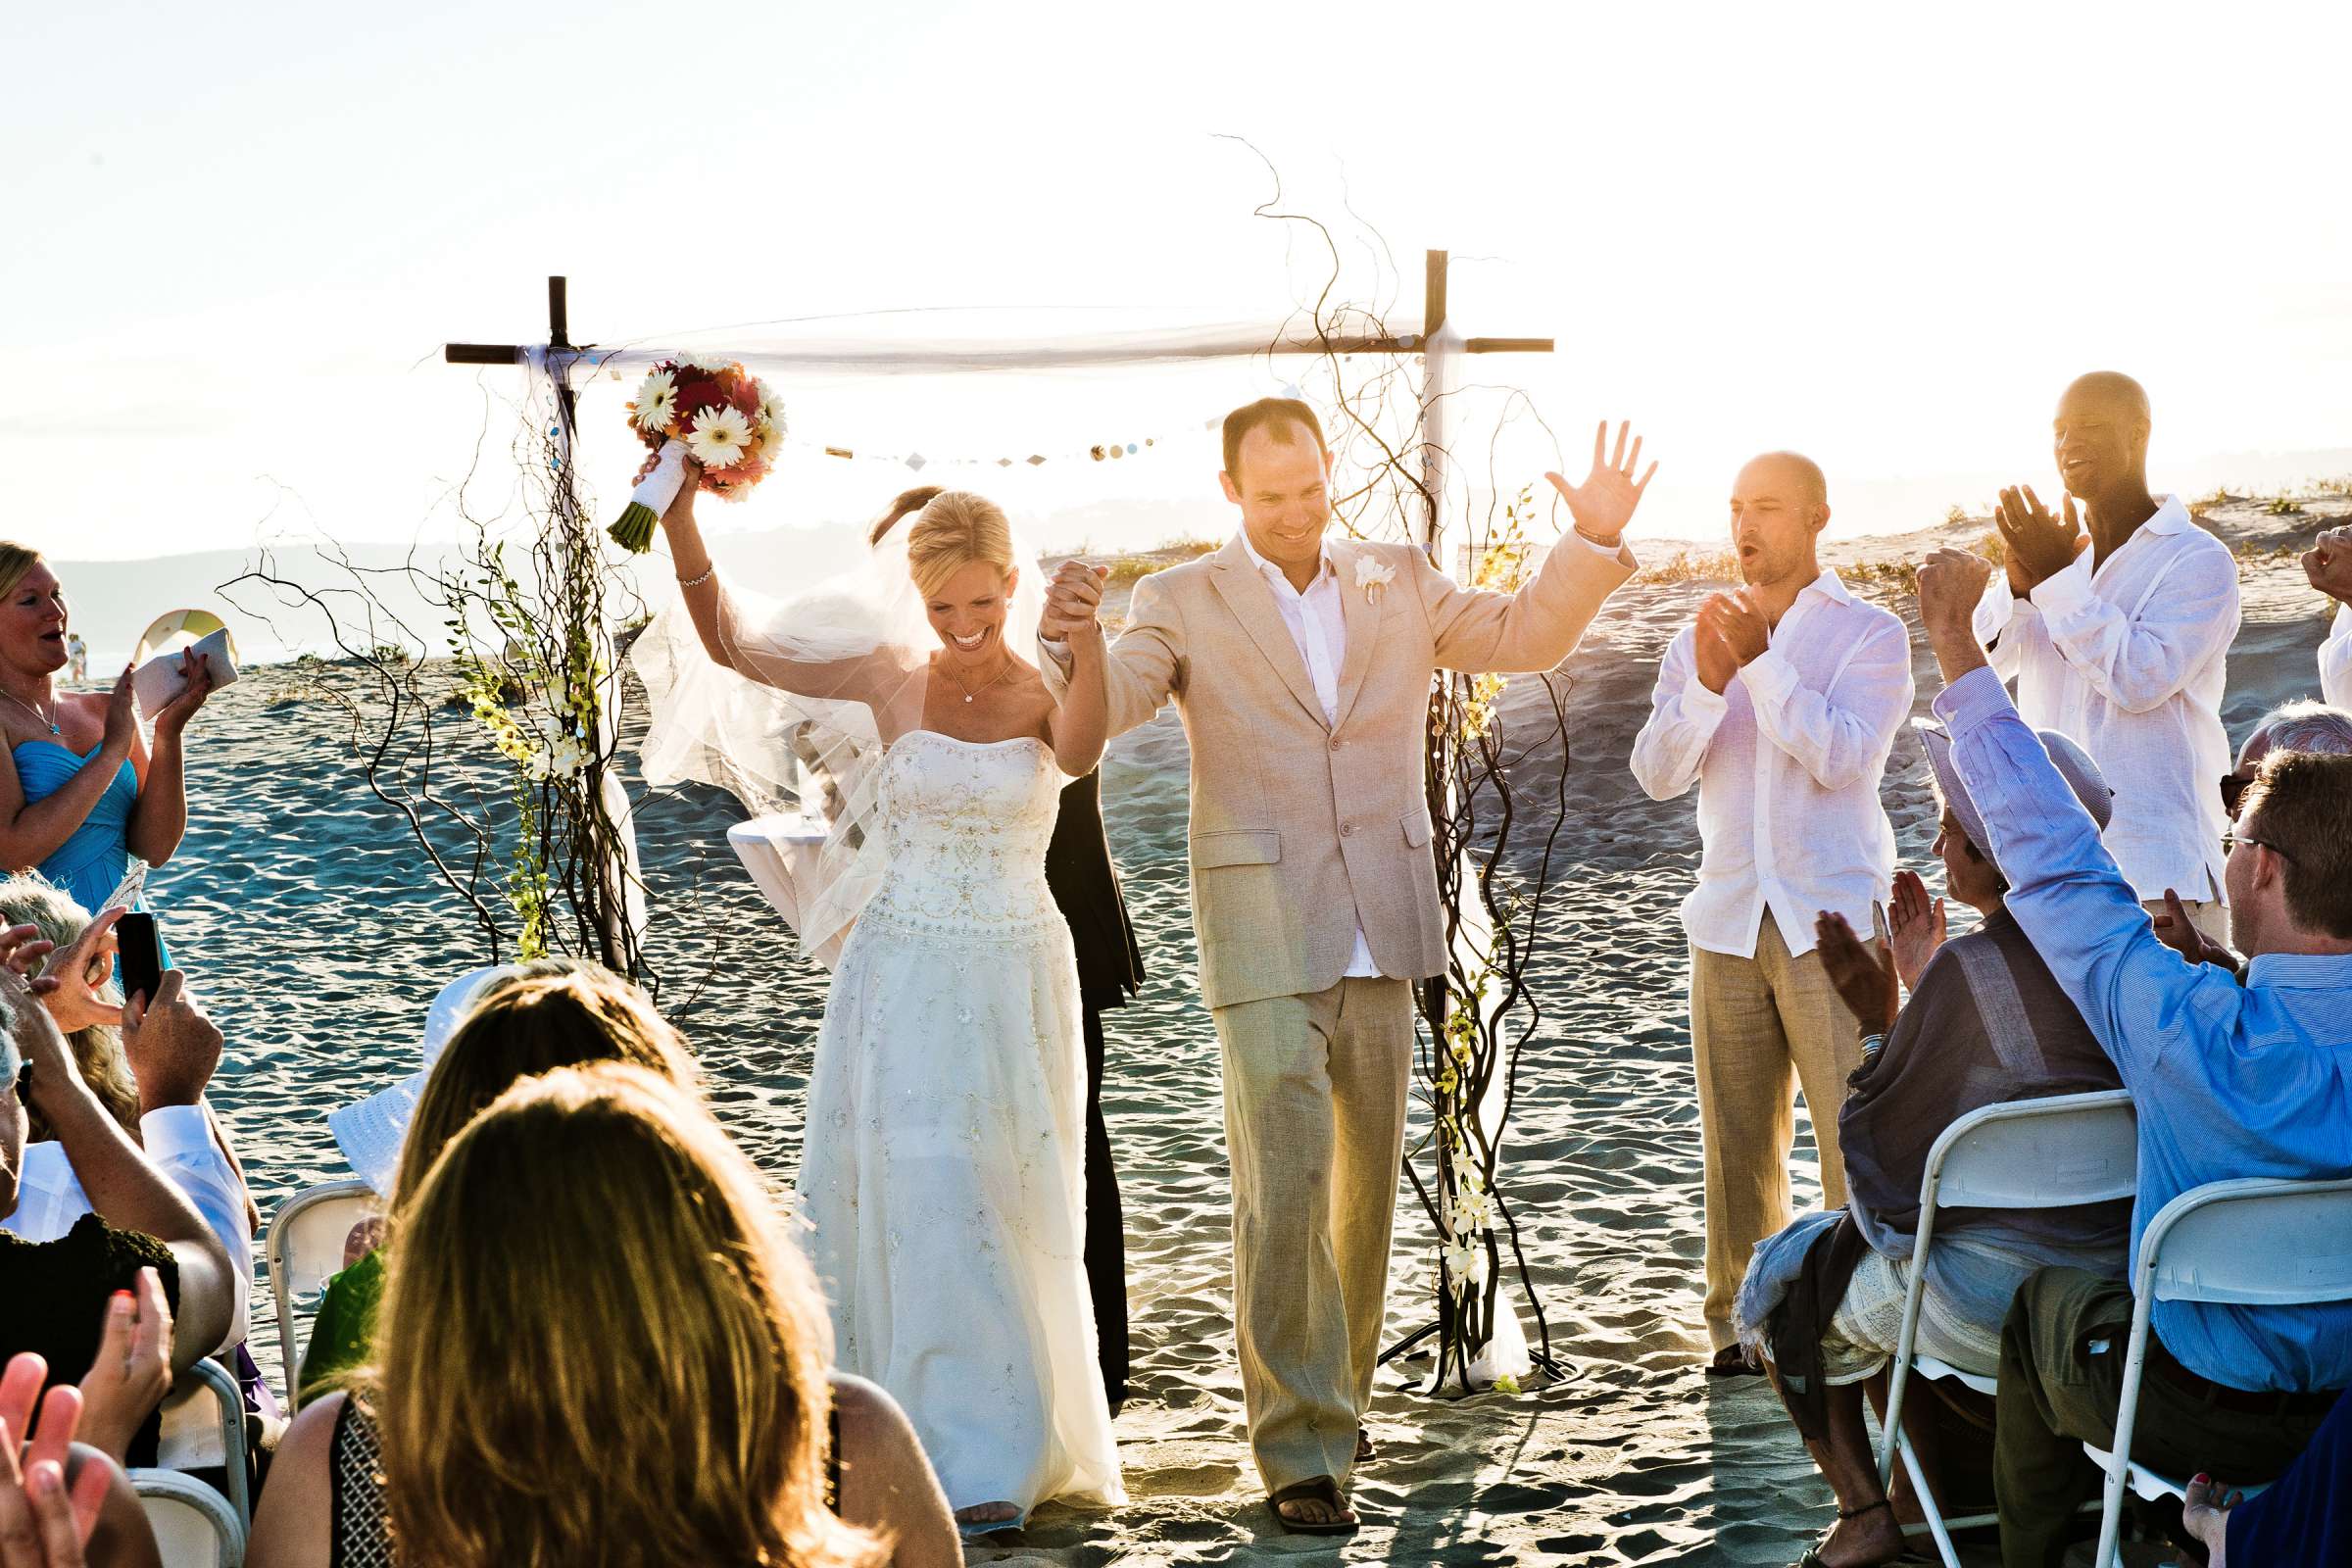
[{"x": 527, "y": 646}]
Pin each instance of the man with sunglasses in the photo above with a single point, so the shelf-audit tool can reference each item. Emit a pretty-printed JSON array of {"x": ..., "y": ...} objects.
[
  {"x": 2230, "y": 1079},
  {"x": 2297, "y": 726}
]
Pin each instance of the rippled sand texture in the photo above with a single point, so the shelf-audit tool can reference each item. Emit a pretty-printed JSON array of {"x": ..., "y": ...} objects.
[{"x": 303, "y": 911}]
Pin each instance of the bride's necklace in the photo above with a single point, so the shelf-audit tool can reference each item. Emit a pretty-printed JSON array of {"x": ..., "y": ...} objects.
[
  {"x": 970, "y": 692},
  {"x": 45, "y": 719}
]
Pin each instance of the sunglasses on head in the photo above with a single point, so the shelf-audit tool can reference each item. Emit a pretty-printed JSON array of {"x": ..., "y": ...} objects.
[{"x": 2234, "y": 790}]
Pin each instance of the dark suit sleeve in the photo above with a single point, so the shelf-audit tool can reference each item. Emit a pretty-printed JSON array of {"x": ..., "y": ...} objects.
[{"x": 1086, "y": 888}]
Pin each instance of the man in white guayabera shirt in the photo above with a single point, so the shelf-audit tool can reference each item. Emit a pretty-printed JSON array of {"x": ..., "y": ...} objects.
[
  {"x": 2328, "y": 566},
  {"x": 1781, "y": 702},
  {"x": 2116, "y": 625}
]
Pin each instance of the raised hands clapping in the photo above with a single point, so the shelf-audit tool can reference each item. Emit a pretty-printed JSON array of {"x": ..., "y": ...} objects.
[
  {"x": 2039, "y": 544},
  {"x": 2328, "y": 563},
  {"x": 1864, "y": 981},
  {"x": 1605, "y": 502},
  {"x": 44, "y": 1520},
  {"x": 1915, "y": 927},
  {"x": 1731, "y": 634},
  {"x": 132, "y": 1370}
]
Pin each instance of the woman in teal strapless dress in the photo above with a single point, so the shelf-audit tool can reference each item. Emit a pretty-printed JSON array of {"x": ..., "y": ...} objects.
[{"x": 81, "y": 791}]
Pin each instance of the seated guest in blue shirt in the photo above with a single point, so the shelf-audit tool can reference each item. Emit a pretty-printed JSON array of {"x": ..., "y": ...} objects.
[
  {"x": 2230, "y": 1078},
  {"x": 2305, "y": 1521}
]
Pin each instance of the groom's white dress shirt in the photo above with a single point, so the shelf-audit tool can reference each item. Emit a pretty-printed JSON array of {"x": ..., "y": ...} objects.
[
  {"x": 1317, "y": 629},
  {"x": 2336, "y": 662},
  {"x": 2131, "y": 661},
  {"x": 1787, "y": 759}
]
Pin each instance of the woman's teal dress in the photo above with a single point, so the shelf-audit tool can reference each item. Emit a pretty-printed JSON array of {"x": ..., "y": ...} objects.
[{"x": 91, "y": 864}]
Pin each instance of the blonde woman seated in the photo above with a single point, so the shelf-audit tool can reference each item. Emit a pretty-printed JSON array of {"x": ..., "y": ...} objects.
[{"x": 591, "y": 1300}]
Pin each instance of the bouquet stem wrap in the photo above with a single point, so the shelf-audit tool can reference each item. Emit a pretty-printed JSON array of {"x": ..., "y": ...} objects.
[{"x": 651, "y": 498}]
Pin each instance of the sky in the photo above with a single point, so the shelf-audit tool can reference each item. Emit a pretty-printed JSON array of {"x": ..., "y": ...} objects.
[{"x": 1885, "y": 236}]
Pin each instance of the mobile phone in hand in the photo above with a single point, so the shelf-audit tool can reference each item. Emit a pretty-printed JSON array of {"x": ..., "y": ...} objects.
[{"x": 141, "y": 956}]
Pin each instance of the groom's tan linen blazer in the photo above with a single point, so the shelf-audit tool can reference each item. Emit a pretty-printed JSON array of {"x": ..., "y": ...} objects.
[{"x": 1300, "y": 828}]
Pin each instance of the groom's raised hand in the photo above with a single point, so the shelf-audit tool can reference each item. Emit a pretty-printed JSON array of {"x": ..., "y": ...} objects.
[
  {"x": 1072, "y": 599},
  {"x": 1605, "y": 502}
]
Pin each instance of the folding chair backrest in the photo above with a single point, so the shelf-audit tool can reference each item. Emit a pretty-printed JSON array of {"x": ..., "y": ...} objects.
[
  {"x": 305, "y": 1247},
  {"x": 194, "y": 1528},
  {"x": 2039, "y": 1153},
  {"x": 2259, "y": 1242},
  {"x": 203, "y": 1429}
]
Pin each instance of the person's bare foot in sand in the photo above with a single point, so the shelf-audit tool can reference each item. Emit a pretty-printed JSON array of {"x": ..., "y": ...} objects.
[
  {"x": 987, "y": 1514},
  {"x": 2205, "y": 1515},
  {"x": 1863, "y": 1537}
]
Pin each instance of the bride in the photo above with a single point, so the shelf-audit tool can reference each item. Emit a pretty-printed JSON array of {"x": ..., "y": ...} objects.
[{"x": 941, "y": 1162}]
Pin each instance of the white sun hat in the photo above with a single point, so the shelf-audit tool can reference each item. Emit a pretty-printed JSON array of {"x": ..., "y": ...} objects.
[{"x": 369, "y": 1131}]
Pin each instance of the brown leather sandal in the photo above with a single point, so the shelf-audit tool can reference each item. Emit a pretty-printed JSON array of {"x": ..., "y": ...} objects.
[{"x": 1316, "y": 1489}]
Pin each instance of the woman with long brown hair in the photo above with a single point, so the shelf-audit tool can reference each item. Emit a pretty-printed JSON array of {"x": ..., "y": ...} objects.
[{"x": 597, "y": 1345}]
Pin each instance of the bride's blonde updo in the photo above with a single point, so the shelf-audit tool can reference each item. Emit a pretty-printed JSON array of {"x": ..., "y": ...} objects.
[{"x": 955, "y": 529}]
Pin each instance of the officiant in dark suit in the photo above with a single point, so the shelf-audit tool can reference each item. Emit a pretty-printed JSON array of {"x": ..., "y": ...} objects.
[{"x": 1110, "y": 969}]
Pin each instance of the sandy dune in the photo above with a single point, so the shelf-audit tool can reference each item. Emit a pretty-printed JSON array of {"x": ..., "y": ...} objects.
[{"x": 301, "y": 909}]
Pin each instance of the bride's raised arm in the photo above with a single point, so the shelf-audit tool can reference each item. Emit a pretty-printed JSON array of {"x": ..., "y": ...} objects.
[
  {"x": 756, "y": 654},
  {"x": 1080, "y": 725}
]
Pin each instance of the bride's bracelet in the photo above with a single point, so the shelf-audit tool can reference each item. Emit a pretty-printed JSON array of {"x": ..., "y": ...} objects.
[{"x": 697, "y": 582}]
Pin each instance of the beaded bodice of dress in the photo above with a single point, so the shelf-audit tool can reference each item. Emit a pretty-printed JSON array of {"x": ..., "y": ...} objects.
[{"x": 966, "y": 824}]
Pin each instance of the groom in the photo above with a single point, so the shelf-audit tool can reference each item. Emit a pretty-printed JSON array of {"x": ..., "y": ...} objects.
[{"x": 1302, "y": 668}]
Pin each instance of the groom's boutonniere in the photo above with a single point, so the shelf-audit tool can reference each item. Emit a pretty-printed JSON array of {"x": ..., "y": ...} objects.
[{"x": 1372, "y": 576}]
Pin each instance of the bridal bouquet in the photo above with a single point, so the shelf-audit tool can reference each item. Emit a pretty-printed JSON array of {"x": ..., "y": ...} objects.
[{"x": 713, "y": 410}]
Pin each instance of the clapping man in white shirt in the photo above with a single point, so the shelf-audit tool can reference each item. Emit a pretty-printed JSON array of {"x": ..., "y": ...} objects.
[
  {"x": 2328, "y": 566},
  {"x": 1781, "y": 702},
  {"x": 2115, "y": 622}
]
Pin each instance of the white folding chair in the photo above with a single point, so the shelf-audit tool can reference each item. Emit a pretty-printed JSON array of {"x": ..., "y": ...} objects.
[
  {"x": 305, "y": 1247},
  {"x": 2259, "y": 1242},
  {"x": 194, "y": 1526},
  {"x": 203, "y": 1429},
  {"x": 2054, "y": 1152}
]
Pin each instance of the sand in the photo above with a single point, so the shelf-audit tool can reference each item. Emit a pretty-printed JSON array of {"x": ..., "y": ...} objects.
[{"x": 300, "y": 906}]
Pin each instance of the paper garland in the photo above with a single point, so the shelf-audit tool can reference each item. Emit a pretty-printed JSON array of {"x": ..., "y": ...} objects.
[{"x": 1101, "y": 452}]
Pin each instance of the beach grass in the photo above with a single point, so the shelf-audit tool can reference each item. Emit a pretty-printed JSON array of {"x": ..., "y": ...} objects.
[{"x": 1130, "y": 569}]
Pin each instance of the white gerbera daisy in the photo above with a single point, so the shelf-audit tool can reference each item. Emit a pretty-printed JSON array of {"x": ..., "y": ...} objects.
[
  {"x": 721, "y": 437},
  {"x": 712, "y": 363},
  {"x": 656, "y": 401}
]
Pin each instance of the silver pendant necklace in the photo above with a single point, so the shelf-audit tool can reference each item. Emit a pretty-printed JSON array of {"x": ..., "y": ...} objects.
[
  {"x": 45, "y": 719},
  {"x": 971, "y": 692}
]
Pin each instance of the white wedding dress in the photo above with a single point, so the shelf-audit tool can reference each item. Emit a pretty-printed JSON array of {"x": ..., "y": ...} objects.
[{"x": 943, "y": 1167}]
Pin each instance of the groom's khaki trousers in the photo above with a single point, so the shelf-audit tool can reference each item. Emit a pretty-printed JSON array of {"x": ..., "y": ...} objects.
[{"x": 1314, "y": 1126}]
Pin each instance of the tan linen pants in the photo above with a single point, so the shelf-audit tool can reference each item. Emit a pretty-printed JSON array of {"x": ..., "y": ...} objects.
[
  {"x": 1314, "y": 1125},
  {"x": 1755, "y": 1023}
]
